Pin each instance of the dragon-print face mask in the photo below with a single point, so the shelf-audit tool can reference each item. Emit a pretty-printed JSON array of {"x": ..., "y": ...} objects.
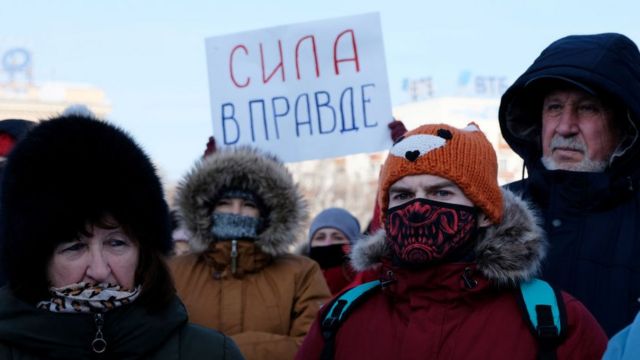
[{"x": 423, "y": 231}]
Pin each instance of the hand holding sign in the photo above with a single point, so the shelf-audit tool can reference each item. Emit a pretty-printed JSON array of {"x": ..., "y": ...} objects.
[
  {"x": 211, "y": 147},
  {"x": 397, "y": 129}
]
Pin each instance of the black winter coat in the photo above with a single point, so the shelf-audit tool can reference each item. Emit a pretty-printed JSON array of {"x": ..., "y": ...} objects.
[
  {"x": 592, "y": 219},
  {"x": 28, "y": 333}
]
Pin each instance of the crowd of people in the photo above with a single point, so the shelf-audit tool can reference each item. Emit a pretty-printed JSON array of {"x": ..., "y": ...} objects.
[{"x": 452, "y": 266}]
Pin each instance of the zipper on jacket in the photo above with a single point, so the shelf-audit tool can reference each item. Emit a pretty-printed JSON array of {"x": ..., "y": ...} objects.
[
  {"x": 387, "y": 280},
  {"x": 469, "y": 282},
  {"x": 99, "y": 344},
  {"x": 234, "y": 256}
]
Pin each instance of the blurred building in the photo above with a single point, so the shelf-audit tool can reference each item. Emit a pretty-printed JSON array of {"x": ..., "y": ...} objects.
[
  {"x": 22, "y": 97},
  {"x": 35, "y": 102},
  {"x": 349, "y": 182}
]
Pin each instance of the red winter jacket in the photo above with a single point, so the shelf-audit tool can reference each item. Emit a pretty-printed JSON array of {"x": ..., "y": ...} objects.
[
  {"x": 433, "y": 314},
  {"x": 338, "y": 277}
]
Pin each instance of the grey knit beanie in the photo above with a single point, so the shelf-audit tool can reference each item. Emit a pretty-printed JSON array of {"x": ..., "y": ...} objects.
[{"x": 337, "y": 218}]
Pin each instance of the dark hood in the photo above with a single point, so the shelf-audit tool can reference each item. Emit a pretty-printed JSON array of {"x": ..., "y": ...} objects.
[{"x": 607, "y": 63}]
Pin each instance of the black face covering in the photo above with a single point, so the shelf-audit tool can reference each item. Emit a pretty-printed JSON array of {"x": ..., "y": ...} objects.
[{"x": 328, "y": 256}]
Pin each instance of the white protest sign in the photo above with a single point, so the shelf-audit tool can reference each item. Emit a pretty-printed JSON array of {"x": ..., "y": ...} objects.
[{"x": 305, "y": 91}]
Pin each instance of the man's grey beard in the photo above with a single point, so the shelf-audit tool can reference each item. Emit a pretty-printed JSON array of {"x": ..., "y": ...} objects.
[{"x": 585, "y": 165}]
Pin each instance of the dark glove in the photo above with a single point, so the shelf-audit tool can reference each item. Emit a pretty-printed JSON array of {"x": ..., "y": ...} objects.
[
  {"x": 397, "y": 129},
  {"x": 211, "y": 147}
]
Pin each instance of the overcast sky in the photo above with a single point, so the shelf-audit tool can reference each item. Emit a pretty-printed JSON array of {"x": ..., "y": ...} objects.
[{"x": 149, "y": 58}]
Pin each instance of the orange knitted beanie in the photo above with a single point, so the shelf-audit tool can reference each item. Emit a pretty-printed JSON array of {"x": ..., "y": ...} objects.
[{"x": 463, "y": 156}]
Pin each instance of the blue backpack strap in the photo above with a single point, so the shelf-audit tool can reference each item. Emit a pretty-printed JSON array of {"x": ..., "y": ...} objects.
[
  {"x": 337, "y": 311},
  {"x": 544, "y": 311}
]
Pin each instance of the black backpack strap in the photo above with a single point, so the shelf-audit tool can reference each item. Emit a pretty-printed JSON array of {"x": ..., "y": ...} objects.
[
  {"x": 544, "y": 311},
  {"x": 337, "y": 311}
]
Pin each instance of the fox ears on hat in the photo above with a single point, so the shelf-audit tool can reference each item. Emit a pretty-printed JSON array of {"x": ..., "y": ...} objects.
[{"x": 413, "y": 145}]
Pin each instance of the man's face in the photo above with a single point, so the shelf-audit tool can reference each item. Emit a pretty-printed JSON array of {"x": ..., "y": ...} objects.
[
  {"x": 420, "y": 232},
  {"x": 430, "y": 187},
  {"x": 578, "y": 132}
]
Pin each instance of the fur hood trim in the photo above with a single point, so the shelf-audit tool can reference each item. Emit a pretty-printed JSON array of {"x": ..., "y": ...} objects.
[
  {"x": 507, "y": 253},
  {"x": 249, "y": 169}
]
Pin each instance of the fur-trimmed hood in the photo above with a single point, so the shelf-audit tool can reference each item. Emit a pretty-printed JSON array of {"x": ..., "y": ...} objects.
[
  {"x": 506, "y": 253},
  {"x": 249, "y": 169}
]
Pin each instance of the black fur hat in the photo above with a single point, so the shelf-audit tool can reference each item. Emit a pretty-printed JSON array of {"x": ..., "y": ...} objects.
[{"x": 67, "y": 172}]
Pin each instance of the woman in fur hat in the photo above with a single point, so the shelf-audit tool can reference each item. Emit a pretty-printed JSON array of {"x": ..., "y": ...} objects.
[
  {"x": 84, "y": 228},
  {"x": 244, "y": 212}
]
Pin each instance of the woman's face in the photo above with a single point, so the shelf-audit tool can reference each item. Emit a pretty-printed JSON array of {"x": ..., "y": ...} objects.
[
  {"x": 328, "y": 236},
  {"x": 103, "y": 256},
  {"x": 237, "y": 206}
]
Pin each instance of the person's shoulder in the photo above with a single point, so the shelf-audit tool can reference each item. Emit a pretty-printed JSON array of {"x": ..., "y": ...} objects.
[
  {"x": 295, "y": 267},
  {"x": 8, "y": 352},
  {"x": 571, "y": 301},
  {"x": 580, "y": 318},
  {"x": 196, "y": 333},
  {"x": 625, "y": 343},
  {"x": 516, "y": 187},
  {"x": 199, "y": 340},
  {"x": 585, "y": 337},
  {"x": 293, "y": 260},
  {"x": 182, "y": 261}
]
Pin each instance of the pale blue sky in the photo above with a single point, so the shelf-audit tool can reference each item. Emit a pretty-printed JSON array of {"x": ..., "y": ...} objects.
[{"x": 148, "y": 55}]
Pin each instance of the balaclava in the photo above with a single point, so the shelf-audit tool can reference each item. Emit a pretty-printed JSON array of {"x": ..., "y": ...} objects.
[{"x": 421, "y": 231}]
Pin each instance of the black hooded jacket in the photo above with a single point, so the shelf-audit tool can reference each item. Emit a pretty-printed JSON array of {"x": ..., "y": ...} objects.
[
  {"x": 16, "y": 129},
  {"x": 591, "y": 218}
]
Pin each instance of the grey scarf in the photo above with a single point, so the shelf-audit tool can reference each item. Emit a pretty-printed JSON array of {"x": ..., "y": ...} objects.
[{"x": 234, "y": 227}]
